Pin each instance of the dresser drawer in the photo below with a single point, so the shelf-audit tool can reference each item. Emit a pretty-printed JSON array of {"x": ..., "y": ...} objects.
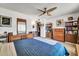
[
  {"x": 59, "y": 30},
  {"x": 59, "y": 38}
]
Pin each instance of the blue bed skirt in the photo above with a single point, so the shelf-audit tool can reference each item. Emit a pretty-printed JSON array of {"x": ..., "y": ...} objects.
[{"x": 33, "y": 47}]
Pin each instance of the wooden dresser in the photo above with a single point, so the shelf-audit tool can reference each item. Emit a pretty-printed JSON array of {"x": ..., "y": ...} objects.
[
  {"x": 71, "y": 31},
  {"x": 12, "y": 37},
  {"x": 59, "y": 34},
  {"x": 71, "y": 38}
]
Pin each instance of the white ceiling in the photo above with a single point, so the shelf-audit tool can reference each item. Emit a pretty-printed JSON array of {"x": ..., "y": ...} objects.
[{"x": 31, "y": 8}]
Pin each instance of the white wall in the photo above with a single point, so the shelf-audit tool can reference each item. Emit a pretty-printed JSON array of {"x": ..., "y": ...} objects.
[
  {"x": 53, "y": 20},
  {"x": 42, "y": 20},
  {"x": 29, "y": 19},
  {"x": 14, "y": 16},
  {"x": 65, "y": 17}
]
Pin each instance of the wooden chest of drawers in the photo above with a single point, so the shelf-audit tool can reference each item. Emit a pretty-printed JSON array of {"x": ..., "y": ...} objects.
[
  {"x": 58, "y": 34},
  {"x": 12, "y": 37},
  {"x": 71, "y": 38}
]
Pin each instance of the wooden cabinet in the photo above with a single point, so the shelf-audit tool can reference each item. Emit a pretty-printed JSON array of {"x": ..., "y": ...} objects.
[
  {"x": 71, "y": 27},
  {"x": 71, "y": 31},
  {"x": 12, "y": 37},
  {"x": 71, "y": 38},
  {"x": 24, "y": 36},
  {"x": 29, "y": 35},
  {"x": 58, "y": 34},
  {"x": 78, "y": 39}
]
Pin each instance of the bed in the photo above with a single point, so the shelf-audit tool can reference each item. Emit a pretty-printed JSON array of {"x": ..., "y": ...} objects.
[{"x": 38, "y": 46}]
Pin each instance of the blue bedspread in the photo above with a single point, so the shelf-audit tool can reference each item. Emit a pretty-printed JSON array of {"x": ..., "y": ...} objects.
[{"x": 33, "y": 47}]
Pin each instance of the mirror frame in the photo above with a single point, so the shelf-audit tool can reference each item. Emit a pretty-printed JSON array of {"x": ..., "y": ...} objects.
[{"x": 21, "y": 20}]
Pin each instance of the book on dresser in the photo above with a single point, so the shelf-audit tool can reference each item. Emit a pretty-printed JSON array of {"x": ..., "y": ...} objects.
[{"x": 71, "y": 31}]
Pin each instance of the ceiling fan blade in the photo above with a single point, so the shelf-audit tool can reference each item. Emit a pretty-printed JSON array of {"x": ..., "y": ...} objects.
[
  {"x": 40, "y": 10},
  {"x": 51, "y": 9},
  {"x": 48, "y": 14},
  {"x": 42, "y": 14}
]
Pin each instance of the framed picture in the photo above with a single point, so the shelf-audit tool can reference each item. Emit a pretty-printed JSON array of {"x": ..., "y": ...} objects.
[
  {"x": 60, "y": 22},
  {"x": 70, "y": 18},
  {"x": 5, "y": 21}
]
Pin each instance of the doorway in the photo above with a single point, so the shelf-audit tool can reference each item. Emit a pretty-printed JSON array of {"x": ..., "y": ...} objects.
[{"x": 38, "y": 29}]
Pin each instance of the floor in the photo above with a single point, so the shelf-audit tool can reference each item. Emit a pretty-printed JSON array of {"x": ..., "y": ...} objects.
[
  {"x": 77, "y": 46},
  {"x": 71, "y": 47},
  {"x": 7, "y": 49}
]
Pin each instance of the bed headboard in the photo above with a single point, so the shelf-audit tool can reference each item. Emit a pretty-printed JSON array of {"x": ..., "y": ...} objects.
[{"x": 12, "y": 37}]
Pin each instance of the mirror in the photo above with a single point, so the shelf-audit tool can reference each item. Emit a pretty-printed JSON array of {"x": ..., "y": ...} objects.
[{"x": 21, "y": 26}]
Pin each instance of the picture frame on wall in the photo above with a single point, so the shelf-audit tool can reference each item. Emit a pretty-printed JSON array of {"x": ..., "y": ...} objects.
[
  {"x": 70, "y": 18},
  {"x": 5, "y": 21},
  {"x": 60, "y": 22}
]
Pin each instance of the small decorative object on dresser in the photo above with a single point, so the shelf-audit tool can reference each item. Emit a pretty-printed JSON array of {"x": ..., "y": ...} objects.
[{"x": 5, "y": 21}]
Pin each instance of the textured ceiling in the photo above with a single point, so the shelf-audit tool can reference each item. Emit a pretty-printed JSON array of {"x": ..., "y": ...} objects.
[{"x": 31, "y": 8}]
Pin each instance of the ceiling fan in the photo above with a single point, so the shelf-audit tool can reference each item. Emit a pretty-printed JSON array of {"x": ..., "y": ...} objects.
[{"x": 45, "y": 11}]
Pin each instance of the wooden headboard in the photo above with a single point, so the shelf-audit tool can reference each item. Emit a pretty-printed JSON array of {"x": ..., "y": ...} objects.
[{"x": 12, "y": 37}]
